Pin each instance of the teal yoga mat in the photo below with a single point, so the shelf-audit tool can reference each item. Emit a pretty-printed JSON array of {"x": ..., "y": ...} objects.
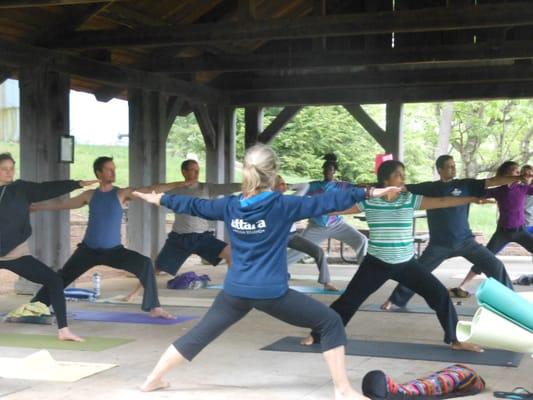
[{"x": 506, "y": 303}]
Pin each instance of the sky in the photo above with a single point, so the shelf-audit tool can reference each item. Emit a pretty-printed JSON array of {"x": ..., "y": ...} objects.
[
  {"x": 91, "y": 121},
  {"x": 94, "y": 122}
]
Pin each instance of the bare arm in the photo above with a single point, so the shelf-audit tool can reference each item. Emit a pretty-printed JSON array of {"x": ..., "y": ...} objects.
[
  {"x": 501, "y": 180},
  {"x": 429, "y": 203},
  {"x": 351, "y": 210},
  {"x": 67, "y": 204},
  {"x": 126, "y": 193}
]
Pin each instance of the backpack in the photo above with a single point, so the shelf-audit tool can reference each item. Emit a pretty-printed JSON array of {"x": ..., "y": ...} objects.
[{"x": 188, "y": 280}]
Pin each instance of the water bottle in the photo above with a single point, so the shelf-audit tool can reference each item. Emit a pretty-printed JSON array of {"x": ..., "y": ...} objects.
[{"x": 96, "y": 284}]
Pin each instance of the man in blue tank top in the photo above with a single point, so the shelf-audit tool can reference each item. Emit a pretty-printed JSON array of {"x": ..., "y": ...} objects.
[{"x": 102, "y": 243}]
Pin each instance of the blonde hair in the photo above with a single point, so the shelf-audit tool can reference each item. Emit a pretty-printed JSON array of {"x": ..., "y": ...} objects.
[{"x": 260, "y": 169}]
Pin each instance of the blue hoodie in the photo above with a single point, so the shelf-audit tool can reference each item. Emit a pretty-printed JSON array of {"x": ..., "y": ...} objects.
[{"x": 259, "y": 228}]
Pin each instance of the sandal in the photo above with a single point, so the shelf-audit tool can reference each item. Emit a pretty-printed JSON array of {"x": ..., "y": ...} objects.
[
  {"x": 518, "y": 393},
  {"x": 459, "y": 293}
]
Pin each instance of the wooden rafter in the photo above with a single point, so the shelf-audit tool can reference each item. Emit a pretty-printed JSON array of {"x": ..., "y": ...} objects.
[{"x": 422, "y": 20}]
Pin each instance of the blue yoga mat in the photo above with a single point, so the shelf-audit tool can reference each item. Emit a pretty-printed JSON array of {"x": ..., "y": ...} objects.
[
  {"x": 301, "y": 289},
  {"x": 506, "y": 303},
  {"x": 127, "y": 318}
]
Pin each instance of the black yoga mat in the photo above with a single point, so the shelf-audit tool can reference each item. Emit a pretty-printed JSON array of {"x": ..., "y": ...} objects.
[
  {"x": 408, "y": 351},
  {"x": 466, "y": 311}
]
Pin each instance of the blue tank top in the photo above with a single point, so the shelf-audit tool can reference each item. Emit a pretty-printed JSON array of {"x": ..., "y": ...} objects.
[{"x": 105, "y": 219}]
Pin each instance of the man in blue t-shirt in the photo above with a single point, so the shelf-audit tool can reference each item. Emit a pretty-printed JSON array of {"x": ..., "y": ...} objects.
[{"x": 449, "y": 231}]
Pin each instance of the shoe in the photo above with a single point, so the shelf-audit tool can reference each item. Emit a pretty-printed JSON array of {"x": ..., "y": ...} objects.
[{"x": 459, "y": 293}]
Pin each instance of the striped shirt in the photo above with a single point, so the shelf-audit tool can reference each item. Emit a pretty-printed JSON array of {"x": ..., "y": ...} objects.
[{"x": 391, "y": 227}]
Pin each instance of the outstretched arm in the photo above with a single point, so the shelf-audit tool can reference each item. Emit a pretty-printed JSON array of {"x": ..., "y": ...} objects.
[
  {"x": 67, "y": 204},
  {"x": 501, "y": 180},
  {"x": 429, "y": 203},
  {"x": 48, "y": 190},
  {"x": 207, "y": 209},
  {"x": 127, "y": 193}
]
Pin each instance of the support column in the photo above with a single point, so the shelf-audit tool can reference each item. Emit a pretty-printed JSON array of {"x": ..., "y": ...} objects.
[
  {"x": 394, "y": 130},
  {"x": 44, "y": 118},
  {"x": 148, "y": 131},
  {"x": 230, "y": 144},
  {"x": 253, "y": 120},
  {"x": 215, "y": 161}
]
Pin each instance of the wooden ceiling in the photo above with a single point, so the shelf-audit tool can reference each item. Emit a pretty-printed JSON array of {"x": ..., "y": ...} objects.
[{"x": 277, "y": 52}]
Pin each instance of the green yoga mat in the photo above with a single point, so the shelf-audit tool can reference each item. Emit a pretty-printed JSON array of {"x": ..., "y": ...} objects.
[
  {"x": 51, "y": 342},
  {"x": 506, "y": 303}
]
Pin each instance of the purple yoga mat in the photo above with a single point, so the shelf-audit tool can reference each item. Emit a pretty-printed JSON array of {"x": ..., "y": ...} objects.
[{"x": 127, "y": 318}]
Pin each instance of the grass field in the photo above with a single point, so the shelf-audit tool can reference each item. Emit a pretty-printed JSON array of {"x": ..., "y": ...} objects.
[{"x": 482, "y": 217}]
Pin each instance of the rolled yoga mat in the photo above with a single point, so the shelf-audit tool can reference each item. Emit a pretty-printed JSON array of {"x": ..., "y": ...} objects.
[
  {"x": 489, "y": 329},
  {"x": 407, "y": 351},
  {"x": 506, "y": 303}
]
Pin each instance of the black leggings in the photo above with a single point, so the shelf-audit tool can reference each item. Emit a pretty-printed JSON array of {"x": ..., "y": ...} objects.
[
  {"x": 294, "y": 308},
  {"x": 84, "y": 258},
  {"x": 34, "y": 270},
  {"x": 373, "y": 273}
]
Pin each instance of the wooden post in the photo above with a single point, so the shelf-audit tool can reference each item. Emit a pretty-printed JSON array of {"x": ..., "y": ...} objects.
[
  {"x": 44, "y": 118},
  {"x": 253, "y": 120},
  {"x": 394, "y": 130},
  {"x": 148, "y": 131}
]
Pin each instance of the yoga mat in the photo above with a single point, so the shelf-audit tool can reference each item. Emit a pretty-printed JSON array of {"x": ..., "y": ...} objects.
[
  {"x": 407, "y": 351},
  {"x": 466, "y": 311},
  {"x": 52, "y": 342},
  {"x": 127, "y": 318},
  {"x": 40, "y": 366},
  {"x": 10, "y": 387},
  {"x": 488, "y": 329},
  {"x": 301, "y": 289},
  {"x": 165, "y": 301},
  {"x": 506, "y": 303}
]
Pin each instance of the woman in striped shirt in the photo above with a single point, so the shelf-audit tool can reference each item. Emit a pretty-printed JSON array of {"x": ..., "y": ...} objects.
[{"x": 391, "y": 255}]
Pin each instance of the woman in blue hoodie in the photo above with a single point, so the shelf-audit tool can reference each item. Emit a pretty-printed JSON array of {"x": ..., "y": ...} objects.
[{"x": 258, "y": 222}]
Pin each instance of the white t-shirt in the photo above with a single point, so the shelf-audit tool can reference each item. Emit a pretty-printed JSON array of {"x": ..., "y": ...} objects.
[{"x": 184, "y": 223}]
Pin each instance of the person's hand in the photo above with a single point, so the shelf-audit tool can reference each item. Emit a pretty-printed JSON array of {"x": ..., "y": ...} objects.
[
  {"x": 89, "y": 183},
  {"x": 154, "y": 198}
]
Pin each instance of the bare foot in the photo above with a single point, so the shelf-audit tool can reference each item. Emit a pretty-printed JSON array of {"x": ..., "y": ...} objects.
[
  {"x": 129, "y": 298},
  {"x": 158, "y": 312},
  {"x": 308, "y": 341},
  {"x": 330, "y": 286},
  {"x": 387, "y": 306},
  {"x": 66, "y": 335},
  {"x": 348, "y": 394},
  {"x": 150, "y": 385},
  {"x": 467, "y": 347}
]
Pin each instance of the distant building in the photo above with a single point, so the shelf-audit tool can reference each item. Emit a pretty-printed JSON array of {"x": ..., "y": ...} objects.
[{"x": 9, "y": 111}]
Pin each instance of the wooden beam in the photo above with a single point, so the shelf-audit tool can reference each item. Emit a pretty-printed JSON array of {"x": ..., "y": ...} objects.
[
  {"x": 415, "y": 76},
  {"x": 380, "y": 95},
  {"x": 201, "y": 112},
  {"x": 368, "y": 123},
  {"x": 393, "y": 118},
  {"x": 4, "y": 75},
  {"x": 292, "y": 61},
  {"x": 16, "y": 55},
  {"x": 174, "y": 105},
  {"x": 253, "y": 125},
  {"x": 422, "y": 20},
  {"x": 47, "y": 3},
  {"x": 281, "y": 120},
  {"x": 246, "y": 10}
]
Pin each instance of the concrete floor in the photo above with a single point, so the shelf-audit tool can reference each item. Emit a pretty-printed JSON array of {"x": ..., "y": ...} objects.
[{"x": 233, "y": 367}]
